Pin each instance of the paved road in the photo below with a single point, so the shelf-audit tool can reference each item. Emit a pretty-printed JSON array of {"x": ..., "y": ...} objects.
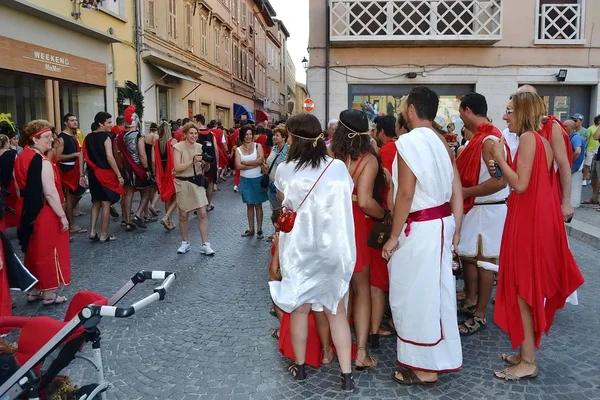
[{"x": 210, "y": 338}]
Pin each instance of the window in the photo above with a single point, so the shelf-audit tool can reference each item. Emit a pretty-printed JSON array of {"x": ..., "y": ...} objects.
[
  {"x": 217, "y": 46},
  {"x": 114, "y": 6},
  {"x": 172, "y": 19},
  {"x": 163, "y": 102},
  {"x": 251, "y": 69},
  {"x": 244, "y": 73},
  {"x": 244, "y": 15},
  {"x": 151, "y": 14},
  {"x": 234, "y": 60},
  {"x": 191, "y": 108},
  {"x": 203, "y": 37},
  {"x": 560, "y": 21},
  {"x": 227, "y": 56},
  {"x": 269, "y": 88},
  {"x": 189, "y": 31},
  {"x": 235, "y": 10}
]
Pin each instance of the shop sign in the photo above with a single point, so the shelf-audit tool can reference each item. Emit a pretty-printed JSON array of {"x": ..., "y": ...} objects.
[{"x": 30, "y": 58}]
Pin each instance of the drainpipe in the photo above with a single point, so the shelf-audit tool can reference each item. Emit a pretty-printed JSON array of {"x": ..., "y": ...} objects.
[
  {"x": 327, "y": 29},
  {"x": 138, "y": 44}
]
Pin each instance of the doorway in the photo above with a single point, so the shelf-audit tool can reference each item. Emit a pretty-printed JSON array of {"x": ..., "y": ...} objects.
[{"x": 562, "y": 101}]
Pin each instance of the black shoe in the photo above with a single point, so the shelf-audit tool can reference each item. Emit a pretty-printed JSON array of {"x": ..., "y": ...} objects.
[
  {"x": 374, "y": 341},
  {"x": 298, "y": 371},
  {"x": 139, "y": 222},
  {"x": 113, "y": 212},
  {"x": 347, "y": 382}
]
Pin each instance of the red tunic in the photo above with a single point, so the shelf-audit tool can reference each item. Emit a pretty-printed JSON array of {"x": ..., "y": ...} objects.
[
  {"x": 262, "y": 140},
  {"x": 223, "y": 156},
  {"x": 535, "y": 261},
  {"x": 48, "y": 256},
  {"x": 546, "y": 133},
  {"x": 387, "y": 153},
  {"x": 361, "y": 230}
]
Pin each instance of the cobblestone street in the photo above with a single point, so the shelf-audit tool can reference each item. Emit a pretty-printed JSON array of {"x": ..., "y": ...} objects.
[{"x": 210, "y": 338}]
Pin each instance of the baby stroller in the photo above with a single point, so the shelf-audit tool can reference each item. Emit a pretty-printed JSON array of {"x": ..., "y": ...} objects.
[{"x": 47, "y": 346}]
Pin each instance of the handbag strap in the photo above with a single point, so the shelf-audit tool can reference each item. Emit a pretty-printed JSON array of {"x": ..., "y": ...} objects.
[
  {"x": 314, "y": 184},
  {"x": 273, "y": 164}
]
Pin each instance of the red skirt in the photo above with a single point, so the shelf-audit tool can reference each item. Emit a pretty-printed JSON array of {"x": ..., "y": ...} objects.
[
  {"x": 361, "y": 235},
  {"x": 48, "y": 256},
  {"x": 11, "y": 220},
  {"x": 314, "y": 352},
  {"x": 5, "y": 299},
  {"x": 378, "y": 271}
]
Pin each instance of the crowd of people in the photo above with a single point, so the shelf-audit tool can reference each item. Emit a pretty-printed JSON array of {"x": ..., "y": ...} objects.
[
  {"x": 394, "y": 212},
  {"x": 366, "y": 215}
]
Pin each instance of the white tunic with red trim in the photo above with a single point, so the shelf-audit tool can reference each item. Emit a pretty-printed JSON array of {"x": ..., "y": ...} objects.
[{"x": 422, "y": 287}]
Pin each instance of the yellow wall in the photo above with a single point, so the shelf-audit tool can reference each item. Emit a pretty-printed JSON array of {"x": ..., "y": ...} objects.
[{"x": 124, "y": 57}]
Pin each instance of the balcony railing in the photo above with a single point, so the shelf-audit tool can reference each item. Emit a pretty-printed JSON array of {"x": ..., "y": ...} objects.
[
  {"x": 418, "y": 21},
  {"x": 560, "y": 23}
]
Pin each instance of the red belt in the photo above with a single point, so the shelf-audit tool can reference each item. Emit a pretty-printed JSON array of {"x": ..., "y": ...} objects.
[{"x": 428, "y": 214}]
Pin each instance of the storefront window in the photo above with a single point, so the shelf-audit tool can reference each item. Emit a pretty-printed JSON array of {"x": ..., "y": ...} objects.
[
  {"x": 390, "y": 105},
  {"x": 17, "y": 100}
]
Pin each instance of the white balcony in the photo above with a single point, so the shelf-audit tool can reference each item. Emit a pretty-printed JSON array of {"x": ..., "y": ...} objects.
[
  {"x": 560, "y": 23},
  {"x": 415, "y": 22}
]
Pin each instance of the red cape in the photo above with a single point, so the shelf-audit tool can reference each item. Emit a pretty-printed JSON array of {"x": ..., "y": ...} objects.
[
  {"x": 106, "y": 177},
  {"x": 468, "y": 162},
  {"x": 165, "y": 178}
]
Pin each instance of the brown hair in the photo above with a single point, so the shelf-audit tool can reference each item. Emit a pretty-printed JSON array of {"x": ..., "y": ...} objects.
[
  {"x": 528, "y": 109},
  {"x": 3, "y": 141},
  {"x": 306, "y": 128},
  {"x": 186, "y": 128},
  {"x": 31, "y": 129},
  {"x": 281, "y": 130}
]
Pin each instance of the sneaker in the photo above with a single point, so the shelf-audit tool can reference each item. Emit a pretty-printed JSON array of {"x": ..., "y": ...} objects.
[
  {"x": 184, "y": 248},
  {"x": 137, "y": 221},
  {"x": 584, "y": 183},
  {"x": 235, "y": 188},
  {"x": 206, "y": 249},
  {"x": 347, "y": 382}
]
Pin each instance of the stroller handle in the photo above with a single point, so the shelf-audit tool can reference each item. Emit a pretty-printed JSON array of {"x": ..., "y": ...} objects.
[{"x": 158, "y": 294}]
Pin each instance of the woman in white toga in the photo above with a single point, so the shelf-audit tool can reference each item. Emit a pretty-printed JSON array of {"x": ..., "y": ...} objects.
[{"x": 317, "y": 256}]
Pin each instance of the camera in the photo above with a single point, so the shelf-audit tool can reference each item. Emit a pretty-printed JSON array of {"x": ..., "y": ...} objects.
[{"x": 207, "y": 158}]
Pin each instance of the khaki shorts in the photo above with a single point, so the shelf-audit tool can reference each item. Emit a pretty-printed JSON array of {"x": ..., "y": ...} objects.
[
  {"x": 589, "y": 158},
  {"x": 596, "y": 169}
]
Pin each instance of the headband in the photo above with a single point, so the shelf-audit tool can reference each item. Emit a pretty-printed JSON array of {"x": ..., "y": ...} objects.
[
  {"x": 314, "y": 140},
  {"x": 353, "y": 133},
  {"x": 40, "y": 133}
]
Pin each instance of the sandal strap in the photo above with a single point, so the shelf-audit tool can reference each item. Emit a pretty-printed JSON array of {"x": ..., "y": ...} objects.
[
  {"x": 509, "y": 376},
  {"x": 532, "y": 363}
]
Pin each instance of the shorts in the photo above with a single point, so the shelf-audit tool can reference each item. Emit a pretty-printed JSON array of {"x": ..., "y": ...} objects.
[
  {"x": 80, "y": 191},
  {"x": 133, "y": 181},
  {"x": 596, "y": 169},
  {"x": 589, "y": 158}
]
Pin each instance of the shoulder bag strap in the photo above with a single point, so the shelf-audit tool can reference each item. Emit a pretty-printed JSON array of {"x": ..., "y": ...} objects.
[
  {"x": 273, "y": 163},
  {"x": 314, "y": 184}
]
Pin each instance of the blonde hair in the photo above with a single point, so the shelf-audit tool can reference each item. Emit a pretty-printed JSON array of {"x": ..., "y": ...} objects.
[
  {"x": 164, "y": 135},
  {"x": 528, "y": 110},
  {"x": 281, "y": 130}
]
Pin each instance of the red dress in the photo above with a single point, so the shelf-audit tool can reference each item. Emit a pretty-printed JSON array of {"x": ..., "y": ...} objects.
[
  {"x": 361, "y": 229},
  {"x": 535, "y": 261},
  {"x": 48, "y": 256},
  {"x": 223, "y": 156}
]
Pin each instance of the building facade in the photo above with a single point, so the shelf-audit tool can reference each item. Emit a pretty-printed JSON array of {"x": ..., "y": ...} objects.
[
  {"x": 284, "y": 107},
  {"x": 59, "y": 57},
  {"x": 290, "y": 82},
  {"x": 301, "y": 94},
  {"x": 378, "y": 50},
  {"x": 205, "y": 56}
]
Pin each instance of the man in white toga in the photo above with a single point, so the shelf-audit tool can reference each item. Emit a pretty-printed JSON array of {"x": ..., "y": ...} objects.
[{"x": 428, "y": 207}]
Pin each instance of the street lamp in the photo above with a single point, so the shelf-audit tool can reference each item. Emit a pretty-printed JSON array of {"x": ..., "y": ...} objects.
[{"x": 305, "y": 66}]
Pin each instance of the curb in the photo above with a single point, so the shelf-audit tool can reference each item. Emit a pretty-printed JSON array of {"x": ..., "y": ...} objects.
[{"x": 585, "y": 232}]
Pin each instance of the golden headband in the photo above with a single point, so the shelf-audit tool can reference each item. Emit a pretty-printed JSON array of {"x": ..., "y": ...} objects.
[
  {"x": 314, "y": 140},
  {"x": 353, "y": 133}
]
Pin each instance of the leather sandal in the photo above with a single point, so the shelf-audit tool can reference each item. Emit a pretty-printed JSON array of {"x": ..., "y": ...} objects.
[
  {"x": 410, "y": 378},
  {"x": 509, "y": 376}
]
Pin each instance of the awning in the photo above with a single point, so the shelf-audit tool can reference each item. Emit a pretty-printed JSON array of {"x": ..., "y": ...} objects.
[
  {"x": 262, "y": 116},
  {"x": 240, "y": 110},
  {"x": 176, "y": 74}
]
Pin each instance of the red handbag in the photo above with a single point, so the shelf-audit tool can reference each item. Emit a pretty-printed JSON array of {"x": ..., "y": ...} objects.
[{"x": 287, "y": 217}]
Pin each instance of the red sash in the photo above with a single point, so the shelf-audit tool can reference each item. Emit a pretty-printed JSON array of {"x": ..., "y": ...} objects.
[
  {"x": 106, "y": 177},
  {"x": 469, "y": 161},
  {"x": 128, "y": 160},
  {"x": 165, "y": 178},
  {"x": 428, "y": 214},
  {"x": 70, "y": 179},
  {"x": 546, "y": 133}
]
